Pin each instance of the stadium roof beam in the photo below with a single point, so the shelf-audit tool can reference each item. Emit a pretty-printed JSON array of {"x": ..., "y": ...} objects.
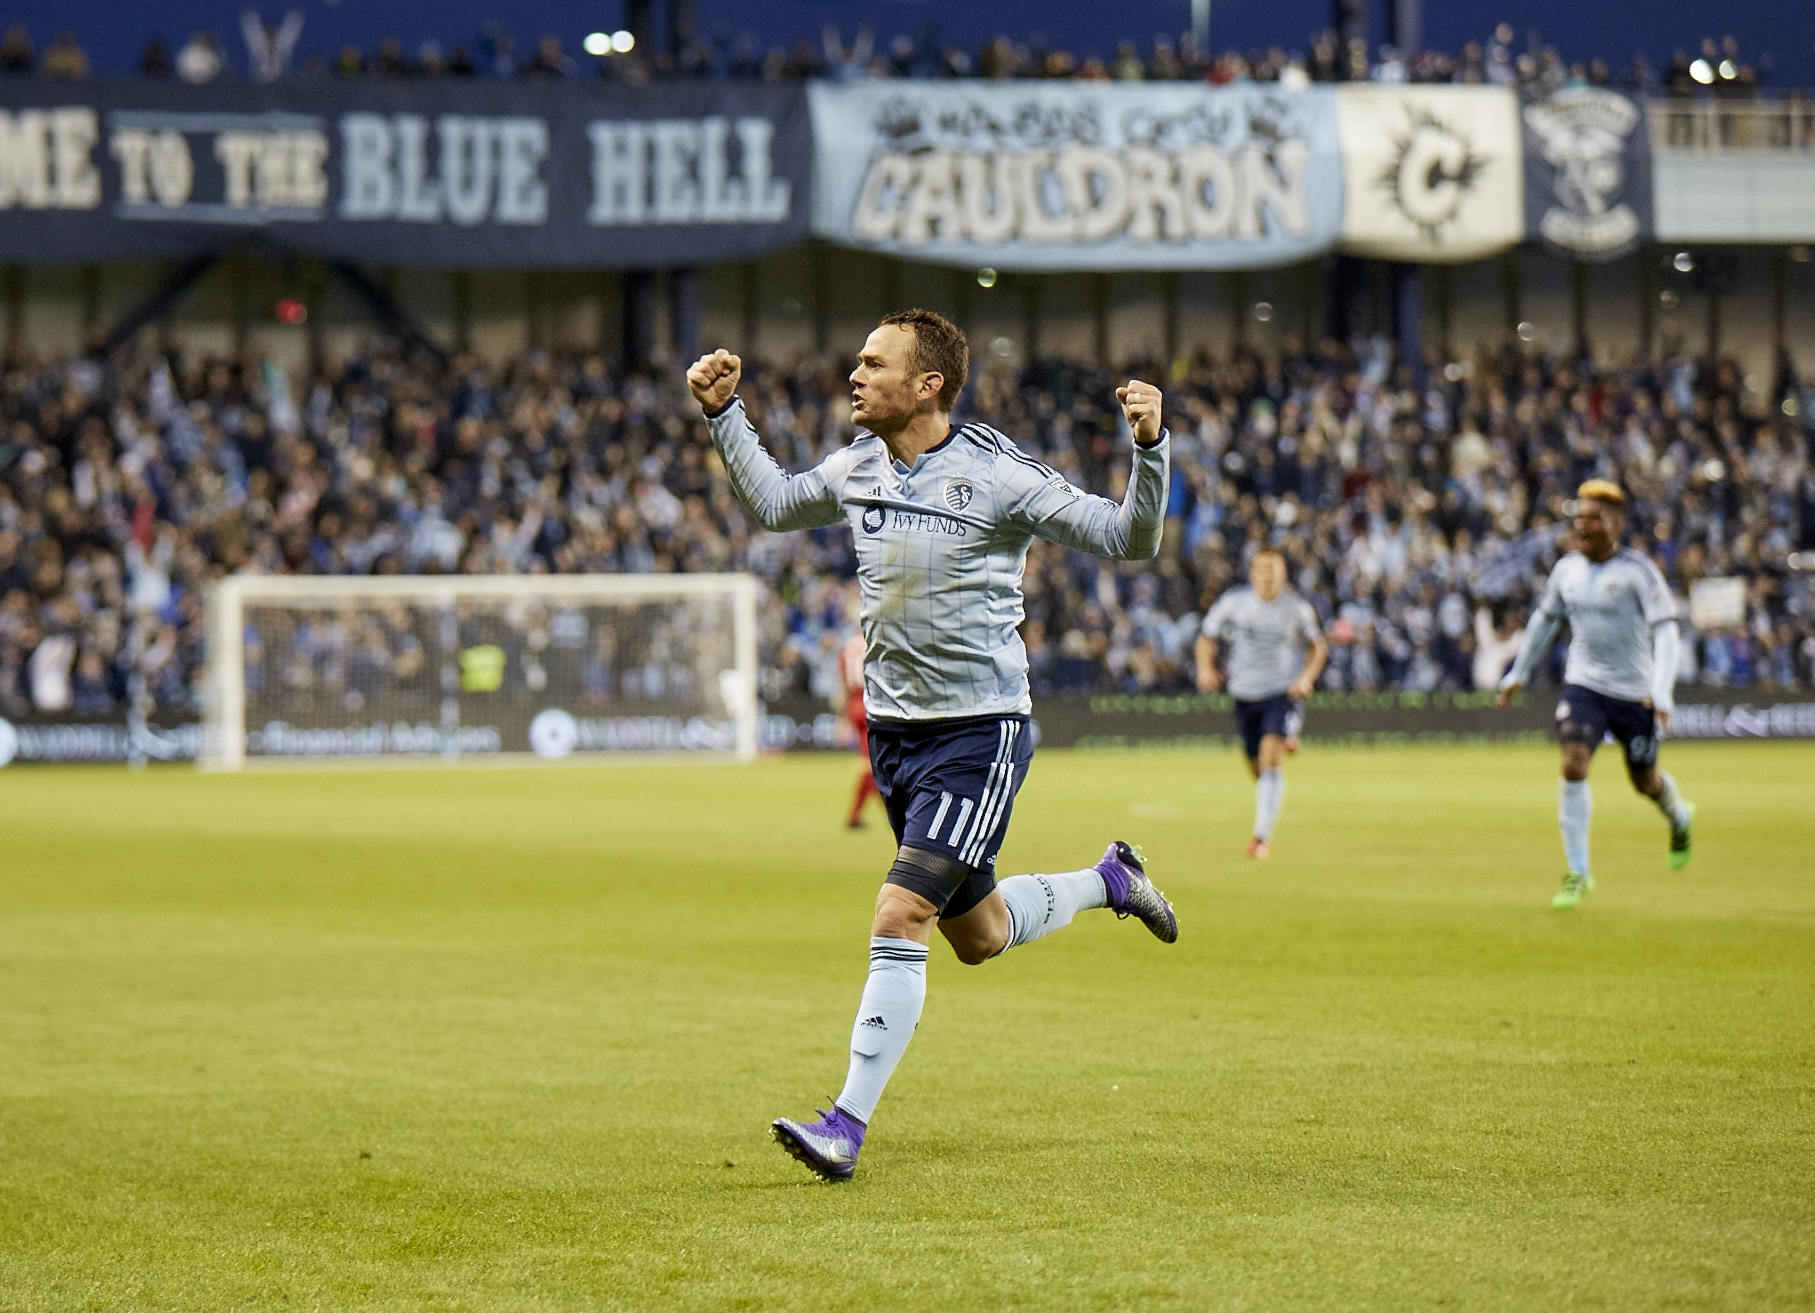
[
  {"x": 385, "y": 308},
  {"x": 159, "y": 305}
]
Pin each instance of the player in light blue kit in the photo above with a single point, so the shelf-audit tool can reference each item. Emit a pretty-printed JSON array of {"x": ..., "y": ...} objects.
[
  {"x": 1275, "y": 651},
  {"x": 942, "y": 518},
  {"x": 1620, "y": 678}
]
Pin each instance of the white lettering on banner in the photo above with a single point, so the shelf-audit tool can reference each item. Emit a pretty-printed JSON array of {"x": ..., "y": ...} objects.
[
  {"x": 483, "y": 165},
  {"x": 1086, "y": 194},
  {"x": 47, "y": 159},
  {"x": 522, "y": 195},
  {"x": 267, "y": 170},
  {"x": 366, "y": 190},
  {"x": 157, "y": 165},
  {"x": 678, "y": 171},
  {"x": 468, "y": 148}
]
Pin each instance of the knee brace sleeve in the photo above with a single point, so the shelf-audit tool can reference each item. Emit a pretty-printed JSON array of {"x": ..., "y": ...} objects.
[{"x": 933, "y": 877}]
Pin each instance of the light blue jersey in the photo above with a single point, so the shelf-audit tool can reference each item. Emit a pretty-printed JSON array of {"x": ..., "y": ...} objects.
[
  {"x": 941, "y": 547},
  {"x": 1615, "y": 610},
  {"x": 1265, "y": 641}
]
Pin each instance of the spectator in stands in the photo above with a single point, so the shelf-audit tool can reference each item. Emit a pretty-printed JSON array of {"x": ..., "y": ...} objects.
[
  {"x": 549, "y": 61},
  {"x": 390, "y": 64},
  {"x": 200, "y": 60},
  {"x": 17, "y": 54},
  {"x": 65, "y": 61},
  {"x": 350, "y": 62},
  {"x": 154, "y": 62}
]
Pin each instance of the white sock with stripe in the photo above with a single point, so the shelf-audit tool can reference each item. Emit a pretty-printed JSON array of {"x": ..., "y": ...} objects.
[
  {"x": 886, "y": 1017},
  {"x": 1575, "y": 809},
  {"x": 1269, "y": 793},
  {"x": 1670, "y": 802},
  {"x": 1041, "y": 904}
]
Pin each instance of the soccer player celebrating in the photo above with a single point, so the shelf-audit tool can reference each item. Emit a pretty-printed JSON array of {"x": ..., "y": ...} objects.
[
  {"x": 942, "y": 517},
  {"x": 1620, "y": 677},
  {"x": 1266, "y": 629}
]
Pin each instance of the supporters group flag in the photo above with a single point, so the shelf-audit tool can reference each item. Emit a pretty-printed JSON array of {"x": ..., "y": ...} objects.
[
  {"x": 1175, "y": 176},
  {"x": 1018, "y": 175}
]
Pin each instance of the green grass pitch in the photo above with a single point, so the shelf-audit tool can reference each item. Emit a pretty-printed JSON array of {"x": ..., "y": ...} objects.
[{"x": 510, "y": 1040}]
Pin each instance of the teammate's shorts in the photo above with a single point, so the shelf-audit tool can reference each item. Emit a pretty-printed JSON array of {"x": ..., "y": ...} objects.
[
  {"x": 1278, "y": 714},
  {"x": 1585, "y": 716},
  {"x": 949, "y": 787}
]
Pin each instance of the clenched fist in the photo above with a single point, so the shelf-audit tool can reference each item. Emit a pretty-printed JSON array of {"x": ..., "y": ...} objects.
[
  {"x": 1141, "y": 404},
  {"x": 713, "y": 380}
]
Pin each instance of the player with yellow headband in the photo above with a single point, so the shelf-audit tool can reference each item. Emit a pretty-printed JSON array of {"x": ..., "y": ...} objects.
[{"x": 1620, "y": 677}]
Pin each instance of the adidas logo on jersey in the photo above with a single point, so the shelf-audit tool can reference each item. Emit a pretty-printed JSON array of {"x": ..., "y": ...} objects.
[{"x": 874, "y": 1023}]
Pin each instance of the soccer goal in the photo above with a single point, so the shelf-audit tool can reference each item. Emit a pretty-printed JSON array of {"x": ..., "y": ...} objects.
[{"x": 427, "y": 669}]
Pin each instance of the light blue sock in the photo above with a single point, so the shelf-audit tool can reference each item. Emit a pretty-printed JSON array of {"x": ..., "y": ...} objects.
[
  {"x": 886, "y": 1018},
  {"x": 1269, "y": 793},
  {"x": 1575, "y": 808},
  {"x": 1670, "y": 802},
  {"x": 1041, "y": 904}
]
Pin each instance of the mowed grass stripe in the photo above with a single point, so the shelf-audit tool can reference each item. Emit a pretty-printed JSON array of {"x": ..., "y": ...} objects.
[{"x": 557, "y": 1010}]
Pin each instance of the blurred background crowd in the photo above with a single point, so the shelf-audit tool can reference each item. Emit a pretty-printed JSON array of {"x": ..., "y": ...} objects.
[
  {"x": 1418, "y": 509},
  {"x": 1717, "y": 69}
]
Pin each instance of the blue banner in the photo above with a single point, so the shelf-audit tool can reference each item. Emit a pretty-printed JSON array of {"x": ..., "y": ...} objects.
[{"x": 453, "y": 173}]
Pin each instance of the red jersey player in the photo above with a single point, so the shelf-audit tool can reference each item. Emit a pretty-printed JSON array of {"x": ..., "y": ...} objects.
[{"x": 850, "y": 681}]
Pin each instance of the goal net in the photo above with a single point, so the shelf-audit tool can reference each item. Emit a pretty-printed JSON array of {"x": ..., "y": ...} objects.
[{"x": 454, "y": 668}]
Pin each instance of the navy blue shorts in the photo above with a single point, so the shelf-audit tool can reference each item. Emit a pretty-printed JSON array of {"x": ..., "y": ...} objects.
[
  {"x": 949, "y": 787},
  {"x": 1278, "y": 714},
  {"x": 1585, "y": 716}
]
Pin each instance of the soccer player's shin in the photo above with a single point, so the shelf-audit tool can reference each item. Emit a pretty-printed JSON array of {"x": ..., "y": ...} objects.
[
  {"x": 1575, "y": 809},
  {"x": 1671, "y": 803},
  {"x": 1269, "y": 793},
  {"x": 892, "y": 999},
  {"x": 1041, "y": 904}
]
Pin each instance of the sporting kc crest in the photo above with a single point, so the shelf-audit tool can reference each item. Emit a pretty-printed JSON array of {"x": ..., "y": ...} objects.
[{"x": 958, "y": 494}]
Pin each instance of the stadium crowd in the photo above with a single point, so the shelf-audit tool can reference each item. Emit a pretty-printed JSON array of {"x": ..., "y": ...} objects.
[
  {"x": 1418, "y": 520},
  {"x": 1718, "y": 71}
]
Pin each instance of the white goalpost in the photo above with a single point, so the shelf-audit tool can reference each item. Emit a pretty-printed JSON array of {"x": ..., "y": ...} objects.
[{"x": 328, "y": 669}]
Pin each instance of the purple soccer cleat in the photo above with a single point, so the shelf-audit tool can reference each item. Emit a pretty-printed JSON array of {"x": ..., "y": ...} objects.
[
  {"x": 1131, "y": 893},
  {"x": 828, "y": 1147}
]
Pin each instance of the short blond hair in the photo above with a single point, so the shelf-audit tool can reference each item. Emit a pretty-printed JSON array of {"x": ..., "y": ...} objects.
[{"x": 1604, "y": 490}]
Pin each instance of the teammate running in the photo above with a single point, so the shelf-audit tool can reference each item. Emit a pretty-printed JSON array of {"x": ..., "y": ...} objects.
[
  {"x": 1620, "y": 677},
  {"x": 942, "y": 518},
  {"x": 1267, "y": 630}
]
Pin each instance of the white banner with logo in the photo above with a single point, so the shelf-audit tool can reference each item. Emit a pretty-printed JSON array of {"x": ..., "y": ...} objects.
[
  {"x": 1078, "y": 175},
  {"x": 1431, "y": 173}
]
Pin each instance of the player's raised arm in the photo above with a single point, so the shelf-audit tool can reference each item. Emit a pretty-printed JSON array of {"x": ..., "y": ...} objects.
[
  {"x": 713, "y": 380},
  {"x": 777, "y": 499},
  {"x": 1130, "y": 531},
  {"x": 1141, "y": 403}
]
